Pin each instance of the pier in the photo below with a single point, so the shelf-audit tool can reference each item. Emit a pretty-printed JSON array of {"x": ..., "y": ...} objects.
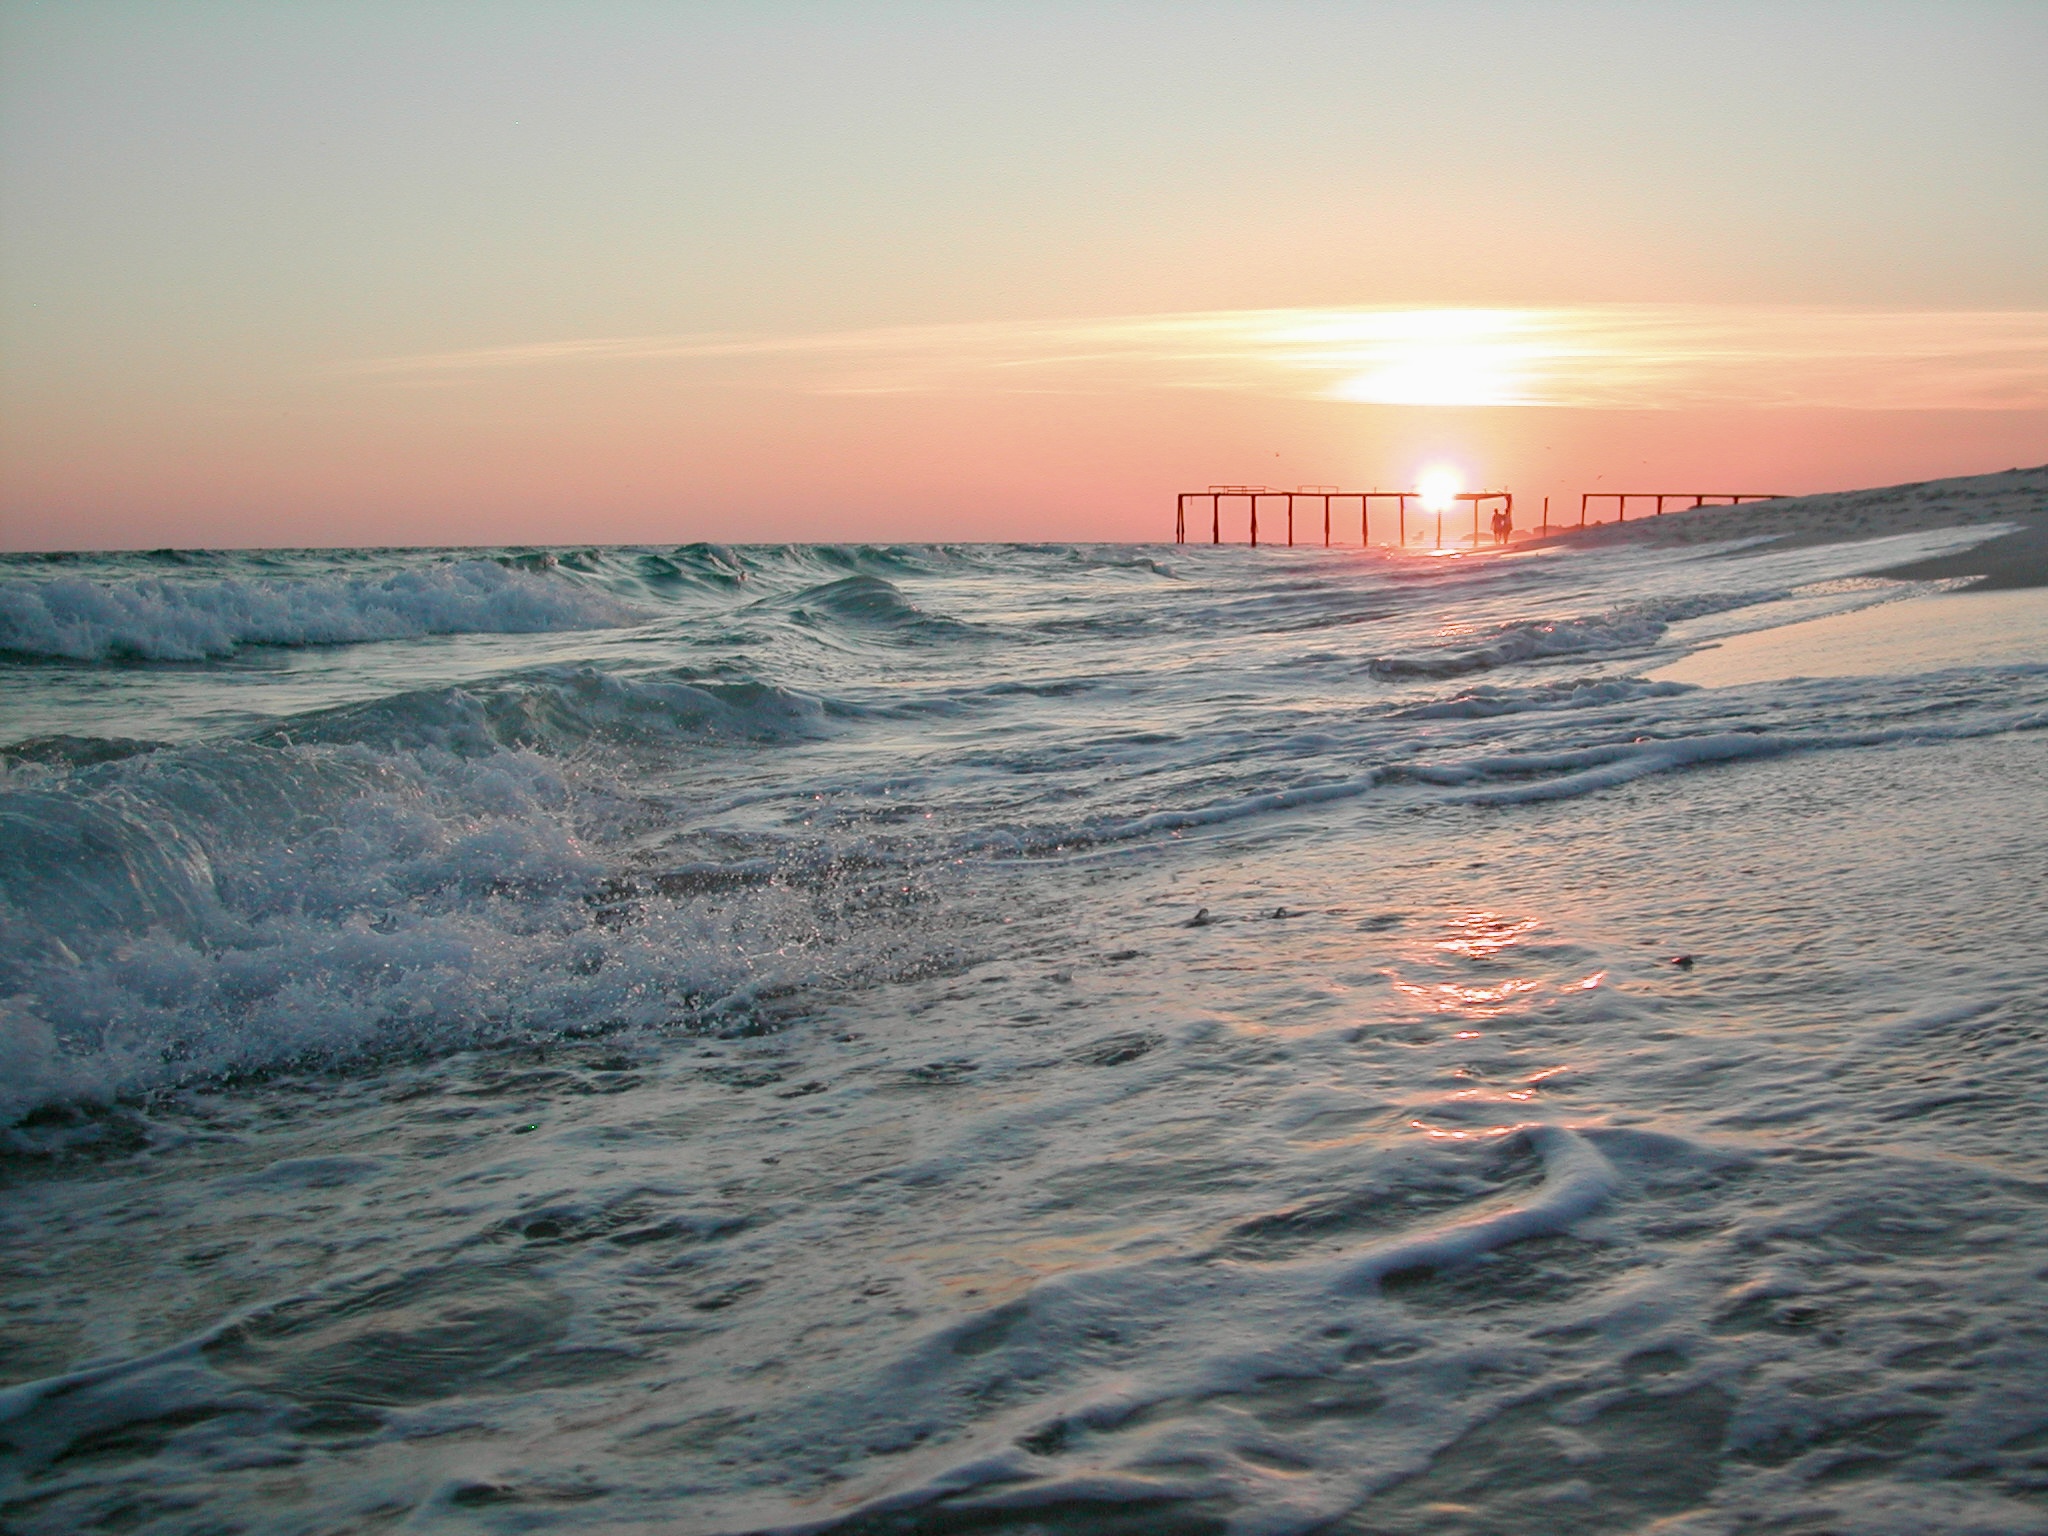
[
  {"x": 1621, "y": 499},
  {"x": 1326, "y": 495}
]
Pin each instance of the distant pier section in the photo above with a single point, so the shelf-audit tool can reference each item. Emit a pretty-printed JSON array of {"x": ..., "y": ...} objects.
[
  {"x": 1326, "y": 496},
  {"x": 1621, "y": 499}
]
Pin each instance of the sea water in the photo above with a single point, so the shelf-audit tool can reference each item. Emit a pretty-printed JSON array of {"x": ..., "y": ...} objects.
[{"x": 1013, "y": 1039}]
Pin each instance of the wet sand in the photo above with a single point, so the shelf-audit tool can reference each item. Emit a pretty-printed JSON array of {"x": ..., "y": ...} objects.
[{"x": 1973, "y": 628}]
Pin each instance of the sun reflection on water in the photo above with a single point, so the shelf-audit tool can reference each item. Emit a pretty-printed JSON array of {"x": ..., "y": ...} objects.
[
  {"x": 1476, "y": 938},
  {"x": 1482, "y": 935}
]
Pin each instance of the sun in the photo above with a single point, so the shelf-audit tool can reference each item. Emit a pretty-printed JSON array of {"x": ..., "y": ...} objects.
[
  {"x": 1477, "y": 357},
  {"x": 1439, "y": 489}
]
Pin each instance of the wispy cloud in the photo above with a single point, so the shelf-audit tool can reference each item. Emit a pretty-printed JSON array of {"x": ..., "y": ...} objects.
[{"x": 1625, "y": 357}]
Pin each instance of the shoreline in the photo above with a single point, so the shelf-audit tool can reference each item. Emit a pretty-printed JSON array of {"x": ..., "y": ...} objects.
[{"x": 2006, "y": 562}]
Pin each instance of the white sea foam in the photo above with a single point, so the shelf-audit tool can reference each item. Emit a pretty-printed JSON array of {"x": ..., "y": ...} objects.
[
  {"x": 1576, "y": 1179},
  {"x": 1486, "y": 701},
  {"x": 207, "y": 910},
  {"x": 1525, "y": 642}
]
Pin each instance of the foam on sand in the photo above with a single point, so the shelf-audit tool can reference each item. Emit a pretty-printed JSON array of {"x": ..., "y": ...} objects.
[{"x": 1576, "y": 1179}]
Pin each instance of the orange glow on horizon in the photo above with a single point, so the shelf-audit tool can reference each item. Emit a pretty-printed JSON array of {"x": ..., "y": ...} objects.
[{"x": 661, "y": 274}]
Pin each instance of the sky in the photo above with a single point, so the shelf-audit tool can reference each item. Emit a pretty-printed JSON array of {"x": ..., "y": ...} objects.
[{"x": 503, "y": 271}]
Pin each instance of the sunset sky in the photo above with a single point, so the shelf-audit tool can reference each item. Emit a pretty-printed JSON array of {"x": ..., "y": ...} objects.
[{"x": 374, "y": 272}]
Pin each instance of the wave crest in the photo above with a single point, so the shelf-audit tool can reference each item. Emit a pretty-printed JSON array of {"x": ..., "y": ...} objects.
[
  {"x": 560, "y": 711},
  {"x": 868, "y": 603},
  {"x": 154, "y": 619}
]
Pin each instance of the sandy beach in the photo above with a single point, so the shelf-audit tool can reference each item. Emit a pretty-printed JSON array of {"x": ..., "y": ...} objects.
[
  {"x": 1994, "y": 611},
  {"x": 2016, "y": 496}
]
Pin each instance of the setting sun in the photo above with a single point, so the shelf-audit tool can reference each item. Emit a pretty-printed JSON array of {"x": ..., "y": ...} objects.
[
  {"x": 1439, "y": 489},
  {"x": 1471, "y": 357}
]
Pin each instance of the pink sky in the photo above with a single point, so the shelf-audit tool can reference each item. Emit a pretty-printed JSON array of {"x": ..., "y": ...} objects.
[{"x": 360, "y": 274}]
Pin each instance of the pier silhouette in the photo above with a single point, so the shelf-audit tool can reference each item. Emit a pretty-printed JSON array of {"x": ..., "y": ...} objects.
[
  {"x": 1216, "y": 495},
  {"x": 1326, "y": 495},
  {"x": 1621, "y": 499}
]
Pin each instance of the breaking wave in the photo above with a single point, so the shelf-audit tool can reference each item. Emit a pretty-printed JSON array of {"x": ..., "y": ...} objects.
[{"x": 154, "y": 619}]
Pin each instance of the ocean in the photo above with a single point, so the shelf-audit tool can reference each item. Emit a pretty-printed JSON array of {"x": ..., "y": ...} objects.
[{"x": 1015, "y": 1039}]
